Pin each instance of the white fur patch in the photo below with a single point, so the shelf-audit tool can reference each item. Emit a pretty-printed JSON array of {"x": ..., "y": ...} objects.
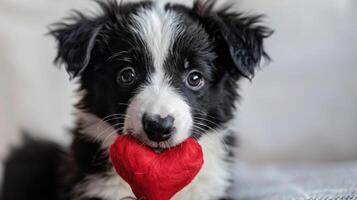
[
  {"x": 96, "y": 128},
  {"x": 158, "y": 29},
  {"x": 108, "y": 186},
  {"x": 210, "y": 183}
]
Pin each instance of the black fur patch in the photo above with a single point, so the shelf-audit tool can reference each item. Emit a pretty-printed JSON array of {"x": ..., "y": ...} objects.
[{"x": 31, "y": 171}]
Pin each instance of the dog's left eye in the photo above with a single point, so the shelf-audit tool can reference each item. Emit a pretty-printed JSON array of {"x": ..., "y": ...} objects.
[
  {"x": 126, "y": 76},
  {"x": 195, "y": 80}
]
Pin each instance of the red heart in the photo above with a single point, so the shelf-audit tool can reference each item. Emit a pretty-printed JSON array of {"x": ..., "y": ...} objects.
[{"x": 153, "y": 176}]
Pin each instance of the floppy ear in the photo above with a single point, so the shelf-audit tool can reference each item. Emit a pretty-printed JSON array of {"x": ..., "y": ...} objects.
[
  {"x": 75, "y": 42},
  {"x": 237, "y": 37}
]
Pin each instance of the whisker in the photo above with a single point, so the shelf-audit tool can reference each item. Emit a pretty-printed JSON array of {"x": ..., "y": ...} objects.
[
  {"x": 118, "y": 56},
  {"x": 206, "y": 120},
  {"x": 103, "y": 123},
  {"x": 204, "y": 125},
  {"x": 108, "y": 128},
  {"x": 110, "y": 118},
  {"x": 124, "y": 104},
  {"x": 200, "y": 129},
  {"x": 115, "y": 114},
  {"x": 203, "y": 114},
  {"x": 111, "y": 134},
  {"x": 113, "y": 118},
  {"x": 196, "y": 132}
]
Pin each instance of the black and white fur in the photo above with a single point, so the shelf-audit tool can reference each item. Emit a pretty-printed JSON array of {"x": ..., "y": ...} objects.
[{"x": 163, "y": 44}]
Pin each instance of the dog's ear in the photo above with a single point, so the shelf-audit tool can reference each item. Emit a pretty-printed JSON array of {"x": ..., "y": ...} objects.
[
  {"x": 238, "y": 38},
  {"x": 75, "y": 42}
]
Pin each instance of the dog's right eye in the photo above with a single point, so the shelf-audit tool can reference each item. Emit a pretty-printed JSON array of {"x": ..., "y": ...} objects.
[
  {"x": 195, "y": 80},
  {"x": 126, "y": 76}
]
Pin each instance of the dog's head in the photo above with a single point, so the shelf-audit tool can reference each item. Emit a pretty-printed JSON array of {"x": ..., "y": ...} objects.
[{"x": 163, "y": 72}]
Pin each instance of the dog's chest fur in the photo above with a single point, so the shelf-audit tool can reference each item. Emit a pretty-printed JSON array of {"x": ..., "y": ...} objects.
[{"x": 211, "y": 183}]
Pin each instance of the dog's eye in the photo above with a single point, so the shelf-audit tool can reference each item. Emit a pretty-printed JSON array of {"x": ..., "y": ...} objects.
[
  {"x": 195, "y": 80},
  {"x": 126, "y": 76}
]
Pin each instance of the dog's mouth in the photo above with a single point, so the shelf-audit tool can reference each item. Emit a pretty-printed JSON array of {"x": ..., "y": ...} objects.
[
  {"x": 158, "y": 147},
  {"x": 155, "y": 146}
]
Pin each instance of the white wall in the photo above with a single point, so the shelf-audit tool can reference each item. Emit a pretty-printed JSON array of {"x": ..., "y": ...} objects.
[{"x": 301, "y": 106}]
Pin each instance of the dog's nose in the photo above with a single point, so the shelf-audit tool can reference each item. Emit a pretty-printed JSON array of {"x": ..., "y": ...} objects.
[{"x": 156, "y": 128}]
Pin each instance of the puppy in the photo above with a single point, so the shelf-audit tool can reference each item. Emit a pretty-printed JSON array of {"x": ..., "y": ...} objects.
[{"x": 161, "y": 72}]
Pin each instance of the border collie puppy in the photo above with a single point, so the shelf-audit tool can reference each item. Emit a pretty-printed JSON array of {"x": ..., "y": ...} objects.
[{"x": 161, "y": 72}]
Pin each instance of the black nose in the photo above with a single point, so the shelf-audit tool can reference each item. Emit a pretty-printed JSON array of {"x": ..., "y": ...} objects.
[{"x": 156, "y": 128}]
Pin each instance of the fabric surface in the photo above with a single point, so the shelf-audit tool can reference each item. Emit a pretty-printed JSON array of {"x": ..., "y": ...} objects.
[{"x": 296, "y": 182}]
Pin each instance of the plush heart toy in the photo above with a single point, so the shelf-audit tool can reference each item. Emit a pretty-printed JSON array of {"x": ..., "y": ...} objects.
[{"x": 156, "y": 176}]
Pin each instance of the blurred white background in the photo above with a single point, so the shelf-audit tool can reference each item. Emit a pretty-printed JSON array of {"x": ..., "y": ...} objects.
[{"x": 300, "y": 107}]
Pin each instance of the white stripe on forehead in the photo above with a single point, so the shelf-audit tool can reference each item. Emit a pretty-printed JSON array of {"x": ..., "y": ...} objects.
[{"x": 158, "y": 29}]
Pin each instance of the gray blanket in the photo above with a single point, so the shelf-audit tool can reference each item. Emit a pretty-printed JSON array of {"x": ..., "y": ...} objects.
[{"x": 296, "y": 182}]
